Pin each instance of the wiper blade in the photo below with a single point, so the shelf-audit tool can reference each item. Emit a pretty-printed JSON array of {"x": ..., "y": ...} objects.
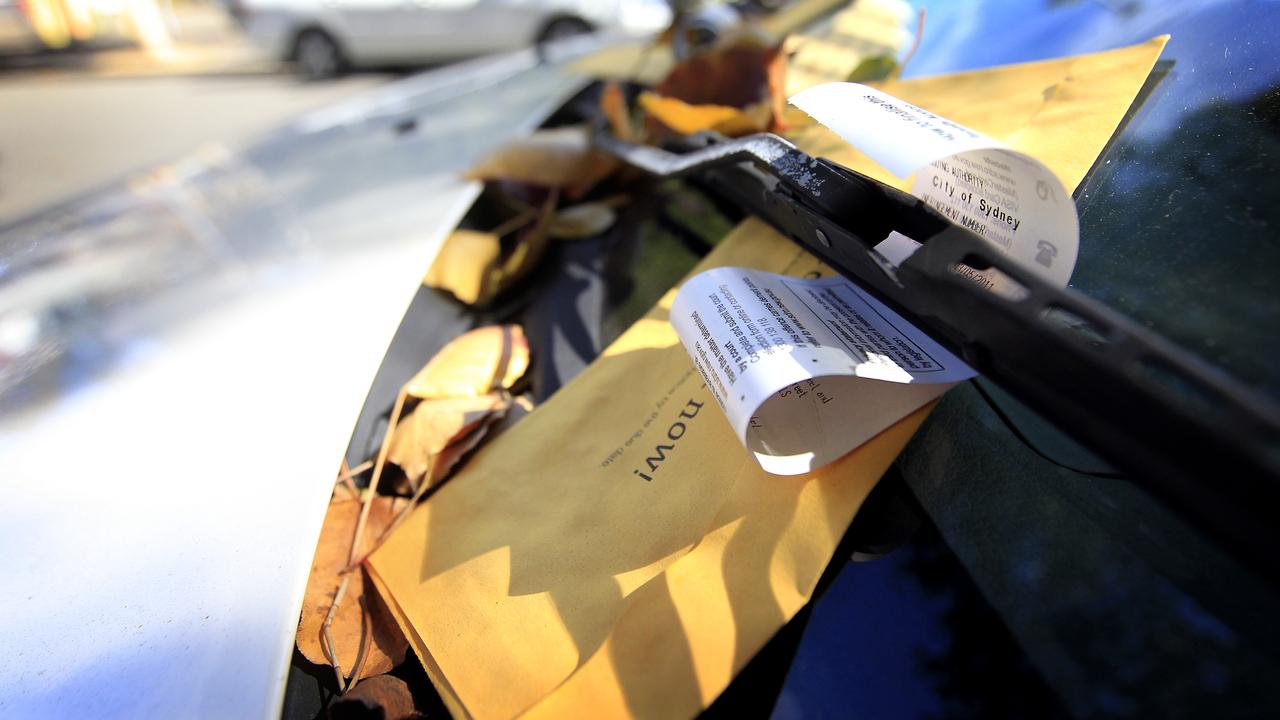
[{"x": 1204, "y": 443}]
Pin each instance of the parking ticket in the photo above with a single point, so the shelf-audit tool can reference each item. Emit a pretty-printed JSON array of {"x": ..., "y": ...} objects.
[{"x": 796, "y": 363}]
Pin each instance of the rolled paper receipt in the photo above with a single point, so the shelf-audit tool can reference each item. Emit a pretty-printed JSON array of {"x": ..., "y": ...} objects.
[
  {"x": 807, "y": 369},
  {"x": 1008, "y": 198}
]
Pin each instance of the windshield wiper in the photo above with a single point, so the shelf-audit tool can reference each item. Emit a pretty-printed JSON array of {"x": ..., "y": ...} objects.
[{"x": 1201, "y": 441}]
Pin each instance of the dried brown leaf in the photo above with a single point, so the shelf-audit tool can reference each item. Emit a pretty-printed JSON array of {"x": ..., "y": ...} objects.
[
  {"x": 453, "y": 453},
  {"x": 520, "y": 407},
  {"x": 474, "y": 364},
  {"x": 746, "y": 76},
  {"x": 434, "y": 425},
  {"x": 559, "y": 158},
  {"x": 440, "y": 464},
  {"x": 350, "y": 622},
  {"x": 735, "y": 76},
  {"x": 383, "y": 696}
]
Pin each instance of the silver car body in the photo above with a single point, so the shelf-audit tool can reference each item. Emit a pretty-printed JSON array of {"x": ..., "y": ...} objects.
[
  {"x": 406, "y": 31},
  {"x": 195, "y": 343}
]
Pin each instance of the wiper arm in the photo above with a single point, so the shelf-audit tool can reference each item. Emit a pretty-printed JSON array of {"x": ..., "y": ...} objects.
[{"x": 1201, "y": 441}]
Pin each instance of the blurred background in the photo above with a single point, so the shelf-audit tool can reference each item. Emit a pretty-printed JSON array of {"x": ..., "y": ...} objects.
[{"x": 94, "y": 89}]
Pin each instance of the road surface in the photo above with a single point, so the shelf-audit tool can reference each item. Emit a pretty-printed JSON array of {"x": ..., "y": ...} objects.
[{"x": 65, "y": 133}]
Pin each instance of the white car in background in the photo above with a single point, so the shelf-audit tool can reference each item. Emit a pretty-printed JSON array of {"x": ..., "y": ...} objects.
[{"x": 324, "y": 37}]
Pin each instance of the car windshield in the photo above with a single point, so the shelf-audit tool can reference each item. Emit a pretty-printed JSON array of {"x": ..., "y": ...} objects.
[
  {"x": 1010, "y": 572},
  {"x": 999, "y": 569},
  {"x": 1114, "y": 607}
]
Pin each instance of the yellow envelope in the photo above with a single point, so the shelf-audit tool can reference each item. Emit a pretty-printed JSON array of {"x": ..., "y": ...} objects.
[{"x": 549, "y": 579}]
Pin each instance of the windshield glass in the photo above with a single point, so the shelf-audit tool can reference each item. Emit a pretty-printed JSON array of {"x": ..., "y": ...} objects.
[
  {"x": 1122, "y": 607},
  {"x": 1178, "y": 219}
]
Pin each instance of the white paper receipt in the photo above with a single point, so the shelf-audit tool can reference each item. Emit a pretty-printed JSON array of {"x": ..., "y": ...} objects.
[
  {"x": 1010, "y": 199},
  {"x": 806, "y": 369}
]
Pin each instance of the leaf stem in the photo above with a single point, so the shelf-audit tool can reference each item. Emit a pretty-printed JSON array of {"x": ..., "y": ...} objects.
[
  {"x": 366, "y": 636},
  {"x": 373, "y": 481},
  {"x": 525, "y": 217},
  {"x": 346, "y": 475},
  {"x": 327, "y": 629}
]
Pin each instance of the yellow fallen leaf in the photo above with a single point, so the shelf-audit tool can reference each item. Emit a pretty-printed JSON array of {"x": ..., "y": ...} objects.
[
  {"x": 465, "y": 266},
  {"x": 686, "y": 119},
  {"x": 361, "y": 610},
  {"x": 472, "y": 267},
  {"x": 582, "y": 221},
  {"x": 557, "y": 158},
  {"x": 474, "y": 364}
]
